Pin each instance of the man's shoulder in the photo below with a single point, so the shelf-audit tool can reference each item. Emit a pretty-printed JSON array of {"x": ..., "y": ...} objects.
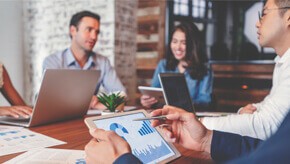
[
  {"x": 57, "y": 54},
  {"x": 54, "y": 60},
  {"x": 100, "y": 58}
]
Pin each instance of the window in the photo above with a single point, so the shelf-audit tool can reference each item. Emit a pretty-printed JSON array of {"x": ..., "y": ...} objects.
[
  {"x": 198, "y": 11},
  {"x": 181, "y": 7},
  {"x": 193, "y": 8}
]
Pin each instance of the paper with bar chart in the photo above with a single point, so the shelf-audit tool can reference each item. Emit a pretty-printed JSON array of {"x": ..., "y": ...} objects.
[
  {"x": 146, "y": 143},
  {"x": 50, "y": 156},
  {"x": 18, "y": 139}
]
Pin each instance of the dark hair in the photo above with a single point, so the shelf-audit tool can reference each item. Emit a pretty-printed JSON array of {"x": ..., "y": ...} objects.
[
  {"x": 283, "y": 3},
  {"x": 77, "y": 17},
  {"x": 195, "y": 57}
]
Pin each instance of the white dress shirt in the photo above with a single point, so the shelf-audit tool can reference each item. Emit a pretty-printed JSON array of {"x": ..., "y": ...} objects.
[{"x": 270, "y": 112}]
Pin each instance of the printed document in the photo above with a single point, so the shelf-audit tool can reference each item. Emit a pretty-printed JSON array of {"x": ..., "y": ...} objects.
[
  {"x": 50, "y": 156},
  {"x": 18, "y": 139}
]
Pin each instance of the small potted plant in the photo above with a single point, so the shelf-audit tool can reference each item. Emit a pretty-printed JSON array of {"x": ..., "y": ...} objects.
[{"x": 111, "y": 101}]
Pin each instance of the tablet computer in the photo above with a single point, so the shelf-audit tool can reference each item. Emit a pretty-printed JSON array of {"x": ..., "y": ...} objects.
[
  {"x": 153, "y": 92},
  {"x": 147, "y": 143},
  {"x": 175, "y": 91}
]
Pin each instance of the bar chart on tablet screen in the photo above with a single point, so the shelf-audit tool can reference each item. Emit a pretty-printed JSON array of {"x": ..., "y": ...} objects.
[{"x": 146, "y": 143}]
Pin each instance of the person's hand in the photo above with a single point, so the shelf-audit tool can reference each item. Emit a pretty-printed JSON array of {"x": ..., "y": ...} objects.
[
  {"x": 94, "y": 102},
  {"x": 16, "y": 111},
  {"x": 148, "y": 101},
  {"x": 109, "y": 147},
  {"x": 250, "y": 109},
  {"x": 183, "y": 128}
]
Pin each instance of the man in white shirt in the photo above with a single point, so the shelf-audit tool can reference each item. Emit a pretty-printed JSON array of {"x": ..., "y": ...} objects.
[{"x": 261, "y": 120}]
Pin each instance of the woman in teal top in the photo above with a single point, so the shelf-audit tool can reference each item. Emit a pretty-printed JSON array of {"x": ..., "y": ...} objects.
[{"x": 186, "y": 55}]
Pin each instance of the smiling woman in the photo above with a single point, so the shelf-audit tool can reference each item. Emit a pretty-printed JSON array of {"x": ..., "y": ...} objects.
[{"x": 186, "y": 55}]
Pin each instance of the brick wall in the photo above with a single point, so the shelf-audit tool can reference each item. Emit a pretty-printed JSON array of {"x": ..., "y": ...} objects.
[
  {"x": 46, "y": 31},
  {"x": 125, "y": 45}
]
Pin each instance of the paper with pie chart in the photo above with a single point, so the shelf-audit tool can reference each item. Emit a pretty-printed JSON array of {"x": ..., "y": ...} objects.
[{"x": 146, "y": 143}]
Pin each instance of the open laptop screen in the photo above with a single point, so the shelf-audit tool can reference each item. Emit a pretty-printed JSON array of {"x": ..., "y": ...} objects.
[{"x": 175, "y": 91}]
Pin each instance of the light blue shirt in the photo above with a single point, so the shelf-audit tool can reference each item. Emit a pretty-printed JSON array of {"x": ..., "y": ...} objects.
[
  {"x": 65, "y": 60},
  {"x": 200, "y": 90}
]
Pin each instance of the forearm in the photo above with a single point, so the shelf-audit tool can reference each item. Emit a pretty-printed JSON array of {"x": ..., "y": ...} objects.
[
  {"x": 13, "y": 97},
  {"x": 9, "y": 91},
  {"x": 257, "y": 125}
]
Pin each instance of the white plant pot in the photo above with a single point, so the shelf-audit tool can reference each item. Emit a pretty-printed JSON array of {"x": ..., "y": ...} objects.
[{"x": 107, "y": 112}]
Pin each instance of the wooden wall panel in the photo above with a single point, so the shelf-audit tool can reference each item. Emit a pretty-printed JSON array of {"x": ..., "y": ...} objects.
[
  {"x": 231, "y": 98},
  {"x": 147, "y": 3},
  {"x": 150, "y": 38}
]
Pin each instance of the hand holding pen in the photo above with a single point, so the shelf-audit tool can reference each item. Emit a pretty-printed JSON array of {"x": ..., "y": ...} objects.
[{"x": 184, "y": 128}]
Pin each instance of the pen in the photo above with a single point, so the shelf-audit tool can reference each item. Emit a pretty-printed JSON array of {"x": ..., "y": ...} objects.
[
  {"x": 151, "y": 118},
  {"x": 206, "y": 115},
  {"x": 222, "y": 115}
]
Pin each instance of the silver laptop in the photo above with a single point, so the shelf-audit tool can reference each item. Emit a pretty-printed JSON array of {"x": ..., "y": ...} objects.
[
  {"x": 175, "y": 91},
  {"x": 64, "y": 94}
]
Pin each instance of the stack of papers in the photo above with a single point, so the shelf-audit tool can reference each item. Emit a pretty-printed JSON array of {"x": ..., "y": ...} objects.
[
  {"x": 51, "y": 156},
  {"x": 18, "y": 139}
]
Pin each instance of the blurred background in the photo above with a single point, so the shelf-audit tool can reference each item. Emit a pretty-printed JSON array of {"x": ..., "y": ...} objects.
[{"x": 134, "y": 36}]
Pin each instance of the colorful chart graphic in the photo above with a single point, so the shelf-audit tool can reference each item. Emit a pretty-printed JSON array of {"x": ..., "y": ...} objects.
[
  {"x": 119, "y": 129},
  {"x": 146, "y": 128},
  {"x": 7, "y": 133},
  {"x": 146, "y": 143},
  {"x": 80, "y": 161},
  {"x": 151, "y": 152}
]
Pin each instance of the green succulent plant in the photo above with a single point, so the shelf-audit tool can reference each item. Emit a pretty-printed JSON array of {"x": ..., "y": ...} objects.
[{"x": 111, "y": 101}]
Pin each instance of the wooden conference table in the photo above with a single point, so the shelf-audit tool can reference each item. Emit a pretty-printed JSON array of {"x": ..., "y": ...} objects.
[{"x": 76, "y": 134}]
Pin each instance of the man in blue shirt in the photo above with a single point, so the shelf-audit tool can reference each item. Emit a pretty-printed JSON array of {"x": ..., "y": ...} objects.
[
  {"x": 84, "y": 30},
  {"x": 185, "y": 129}
]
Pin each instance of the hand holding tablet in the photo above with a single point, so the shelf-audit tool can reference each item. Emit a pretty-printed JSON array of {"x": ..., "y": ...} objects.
[
  {"x": 150, "y": 96},
  {"x": 146, "y": 143},
  {"x": 108, "y": 155}
]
